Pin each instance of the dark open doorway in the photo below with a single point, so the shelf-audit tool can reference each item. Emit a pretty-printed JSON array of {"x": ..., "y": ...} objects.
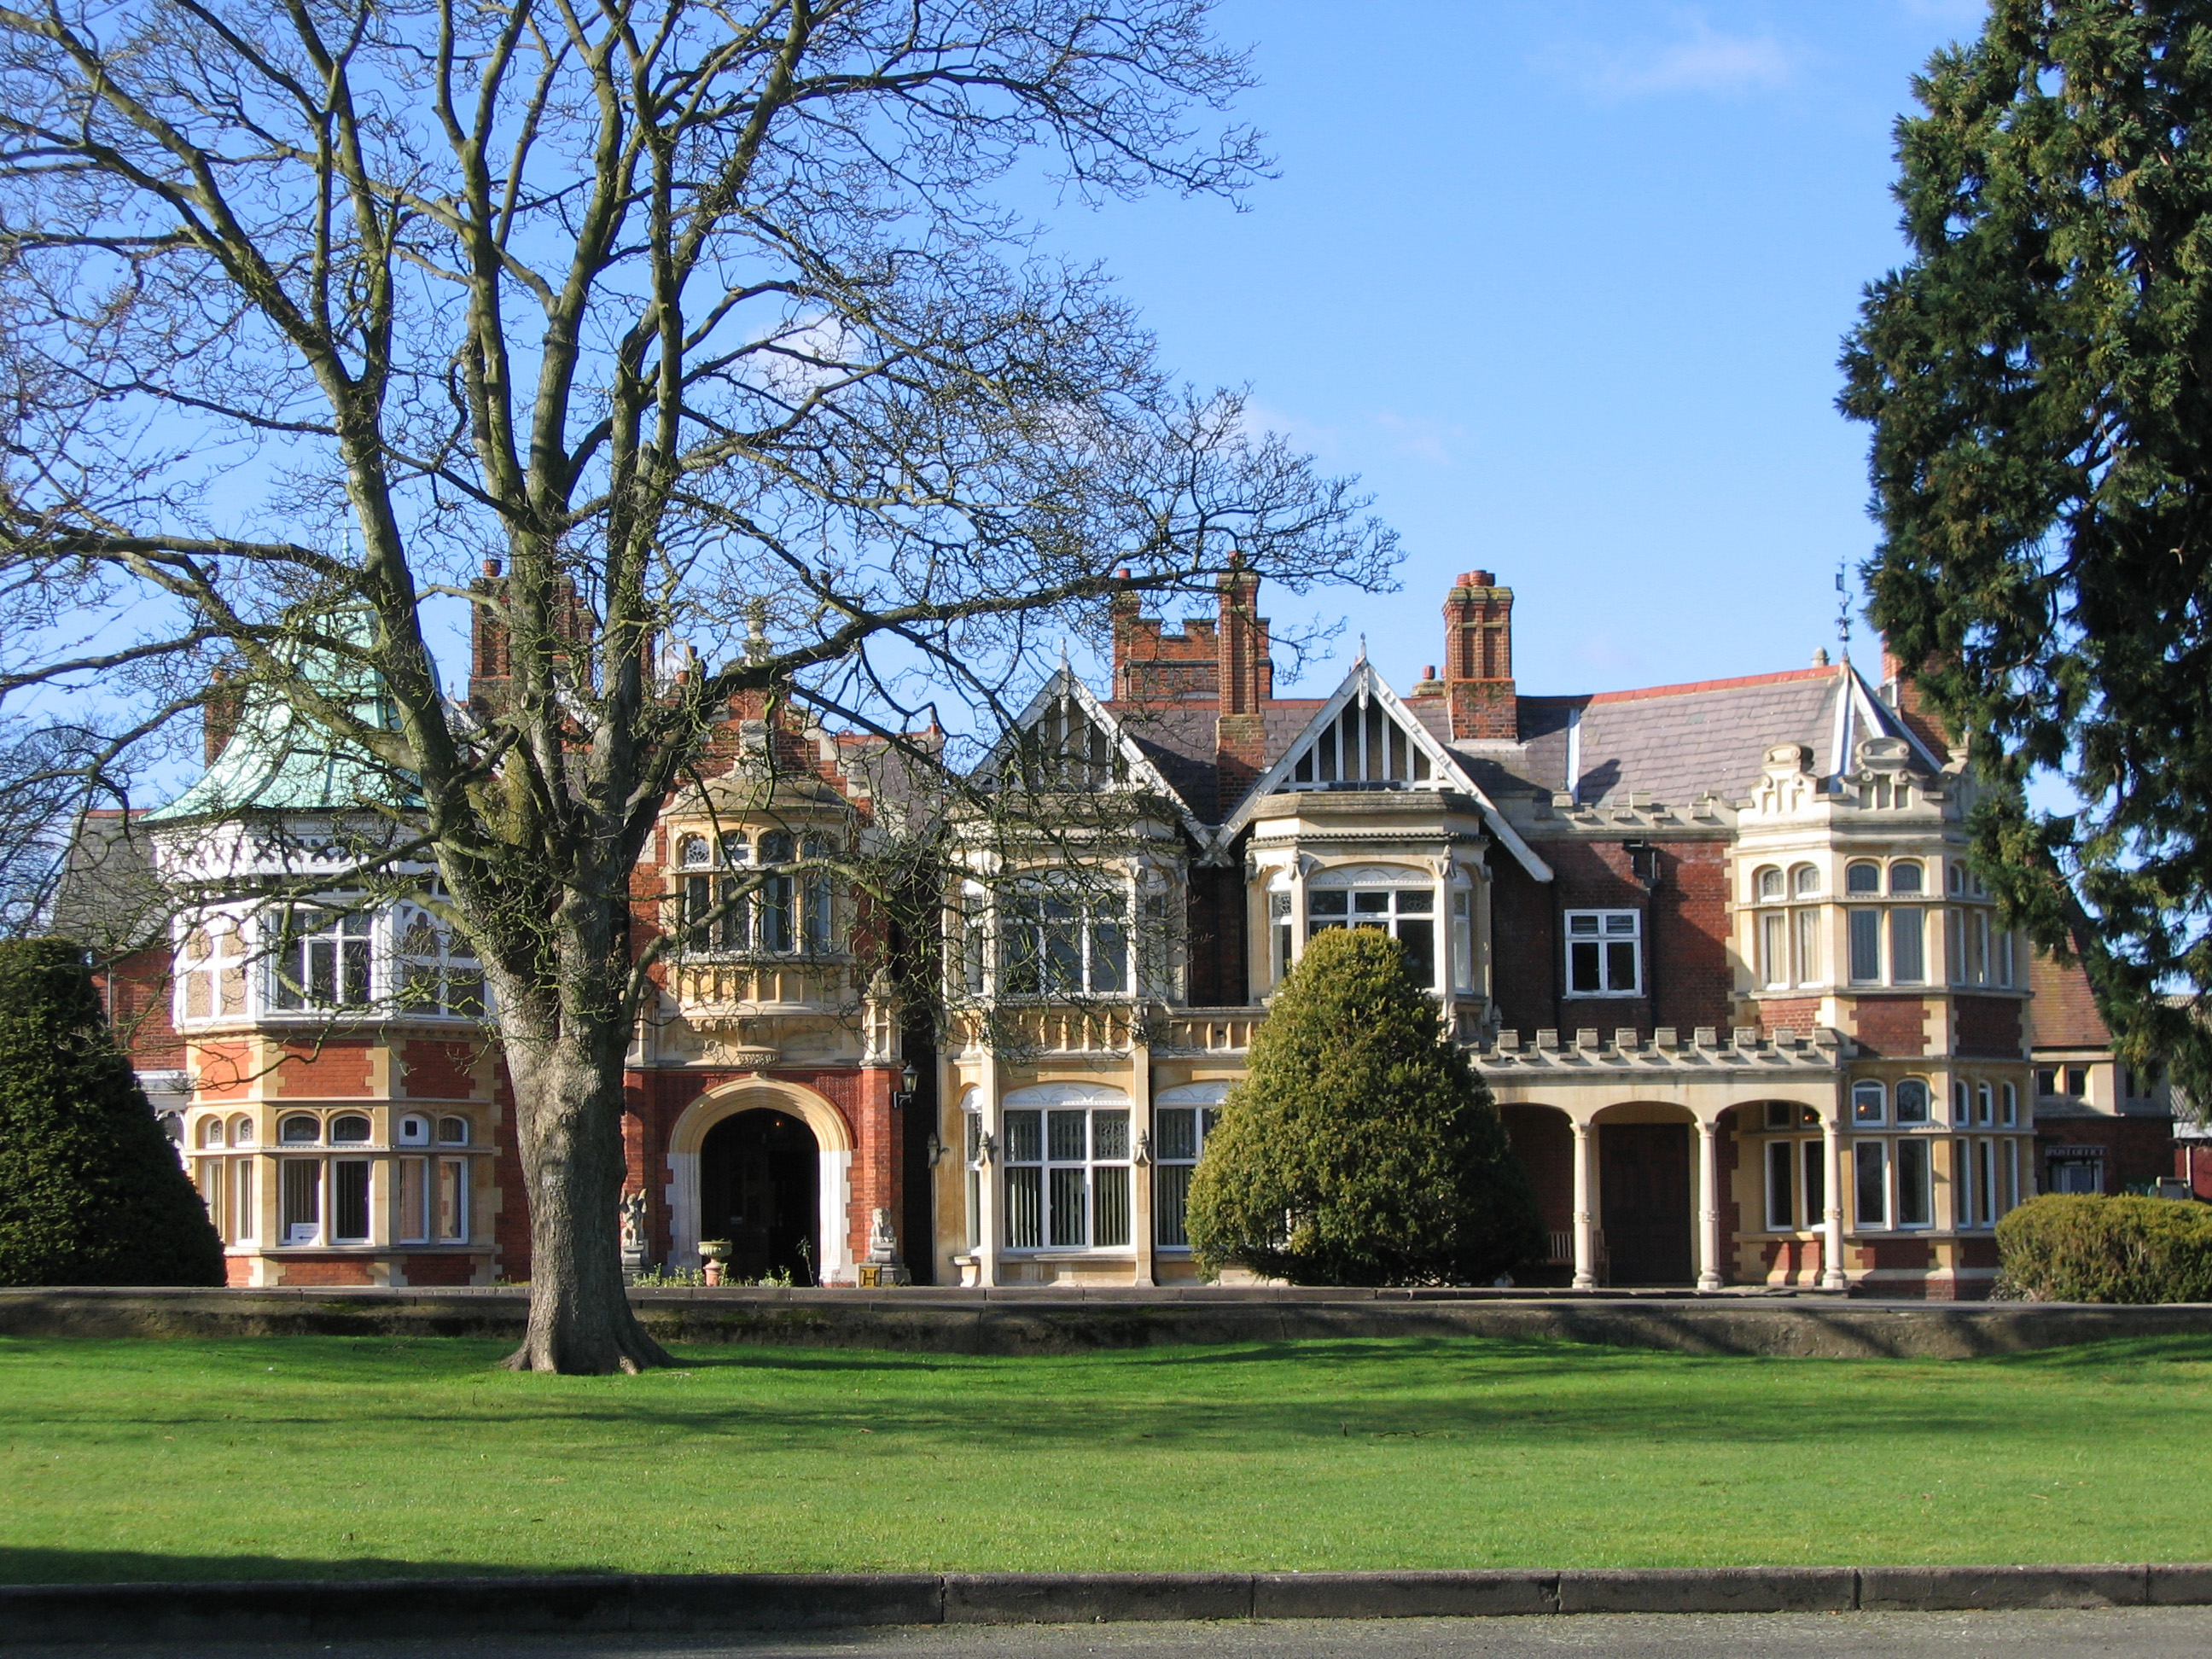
[
  {"x": 1643, "y": 1183},
  {"x": 759, "y": 1187}
]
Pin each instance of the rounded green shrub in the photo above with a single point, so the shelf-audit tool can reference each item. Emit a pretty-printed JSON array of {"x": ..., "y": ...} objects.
[
  {"x": 1361, "y": 1148},
  {"x": 2073, "y": 1247},
  {"x": 90, "y": 1192}
]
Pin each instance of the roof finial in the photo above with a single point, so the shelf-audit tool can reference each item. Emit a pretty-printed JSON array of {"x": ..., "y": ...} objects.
[
  {"x": 1842, "y": 612},
  {"x": 1363, "y": 648},
  {"x": 1063, "y": 653}
]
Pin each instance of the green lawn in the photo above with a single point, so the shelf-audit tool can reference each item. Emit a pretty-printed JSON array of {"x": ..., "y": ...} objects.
[{"x": 306, "y": 1456}]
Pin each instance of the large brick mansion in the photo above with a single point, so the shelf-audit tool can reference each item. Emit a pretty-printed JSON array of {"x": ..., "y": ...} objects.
[{"x": 1750, "y": 1018}]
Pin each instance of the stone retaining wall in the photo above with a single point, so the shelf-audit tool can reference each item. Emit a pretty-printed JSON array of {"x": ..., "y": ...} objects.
[
  {"x": 1006, "y": 1321},
  {"x": 454, "y": 1607}
]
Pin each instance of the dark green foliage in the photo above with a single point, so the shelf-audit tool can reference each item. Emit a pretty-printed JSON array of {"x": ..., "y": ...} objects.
[
  {"x": 1373, "y": 1136},
  {"x": 90, "y": 1193},
  {"x": 2038, "y": 378},
  {"x": 2066, "y": 1247}
]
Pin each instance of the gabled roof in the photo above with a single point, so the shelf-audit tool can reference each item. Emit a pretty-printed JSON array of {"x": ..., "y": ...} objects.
[
  {"x": 1142, "y": 772},
  {"x": 1365, "y": 687}
]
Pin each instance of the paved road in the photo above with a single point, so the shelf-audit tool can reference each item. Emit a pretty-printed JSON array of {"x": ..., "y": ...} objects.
[{"x": 2119, "y": 1633}]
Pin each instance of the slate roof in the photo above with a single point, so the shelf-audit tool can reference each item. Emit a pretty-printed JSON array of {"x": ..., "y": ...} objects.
[
  {"x": 108, "y": 898},
  {"x": 1679, "y": 742},
  {"x": 1676, "y": 742}
]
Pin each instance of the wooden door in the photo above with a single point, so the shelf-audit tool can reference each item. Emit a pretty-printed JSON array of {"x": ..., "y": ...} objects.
[{"x": 1644, "y": 1184}]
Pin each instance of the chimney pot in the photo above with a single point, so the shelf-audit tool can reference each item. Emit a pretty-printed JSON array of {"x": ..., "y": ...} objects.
[
  {"x": 1478, "y": 578},
  {"x": 1428, "y": 671},
  {"x": 491, "y": 567}
]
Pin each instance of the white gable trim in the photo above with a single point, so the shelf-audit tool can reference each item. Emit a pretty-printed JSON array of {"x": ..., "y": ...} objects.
[
  {"x": 1879, "y": 716},
  {"x": 1064, "y": 683},
  {"x": 1445, "y": 770}
]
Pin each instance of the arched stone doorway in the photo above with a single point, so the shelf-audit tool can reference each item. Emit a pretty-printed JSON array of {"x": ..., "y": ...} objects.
[
  {"x": 760, "y": 1188},
  {"x": 1646, "y": 1186},
  {"x": 832, "y": 1135}
]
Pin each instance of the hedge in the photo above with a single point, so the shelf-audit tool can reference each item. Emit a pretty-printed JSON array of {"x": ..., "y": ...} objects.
[
  {"x": 2069, "y": 1247},
  {"x": 91, "y": 1192}
]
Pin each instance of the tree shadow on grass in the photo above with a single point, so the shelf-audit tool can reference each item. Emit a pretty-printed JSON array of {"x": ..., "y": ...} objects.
[{"x": 33, "y": 1565}]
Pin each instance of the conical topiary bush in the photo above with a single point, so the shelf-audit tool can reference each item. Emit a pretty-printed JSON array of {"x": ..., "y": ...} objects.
[
  {"x": 1361, "y": 1147},
  {"x": 90, "y": 1193}
]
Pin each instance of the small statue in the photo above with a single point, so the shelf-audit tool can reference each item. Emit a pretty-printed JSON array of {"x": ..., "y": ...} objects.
[
  {"x": 633, "y": 1222},
  {"x": 883, "y": 1242}
]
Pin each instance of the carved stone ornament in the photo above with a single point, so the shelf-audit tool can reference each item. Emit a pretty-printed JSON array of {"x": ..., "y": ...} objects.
[
  {"x": 883, "y": 1241},
  {"x": 742, "y": 1057}
]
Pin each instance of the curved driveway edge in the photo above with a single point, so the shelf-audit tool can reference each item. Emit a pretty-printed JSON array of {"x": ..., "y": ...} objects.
[{"x": 306, "y": 1608}]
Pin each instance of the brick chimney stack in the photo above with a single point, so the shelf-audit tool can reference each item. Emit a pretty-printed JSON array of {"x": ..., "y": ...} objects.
[
  {"x": 1902, "y": 693},
  {"x": 1247, "y": 679},
  {"x": 490, "y": 658},
  {"x": 219, "y": 715},
  {"x": 1478, "y": 660}
]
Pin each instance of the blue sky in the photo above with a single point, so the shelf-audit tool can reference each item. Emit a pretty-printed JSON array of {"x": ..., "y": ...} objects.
[{"x": 1565, "y": 283}]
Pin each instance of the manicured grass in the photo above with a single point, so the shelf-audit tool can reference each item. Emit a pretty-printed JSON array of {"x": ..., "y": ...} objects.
[{"x": 335, "y": 1456}]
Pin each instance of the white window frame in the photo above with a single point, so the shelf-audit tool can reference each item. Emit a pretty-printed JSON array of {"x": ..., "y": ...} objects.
[
  {"x": 1383, "y": 898},
  {"x": 1606, "y": 930},
  {"x": 1094, "y": 920},
  {"x": 1173, "y": 1166},
  {"x": 1039, "y": 1182},
  {"x": 336, "y": 936},
  {"x": 1870, "y": 1102},
  {"x": 436, "y": 975},
  {"x": 1879, "y": 1147},
  {"x": 1920, "y": 1150},
  {"x": 1927, "y": 1113},
  {"x": 213, "y": 952}
]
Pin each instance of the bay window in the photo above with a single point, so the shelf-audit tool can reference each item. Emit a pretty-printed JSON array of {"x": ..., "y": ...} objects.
[
  {"x": 1408, "y": 913},
  {"x": 1062, "y": 936},
  {"x": 1067, "y": 1171},
  {"x": 322, "y": 961},
  {"x": 438, "y": 973},
  {"x": 1179, "y": 1136}
]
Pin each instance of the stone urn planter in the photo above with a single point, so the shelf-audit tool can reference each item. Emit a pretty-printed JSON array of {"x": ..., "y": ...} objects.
[{"x": 716, "y": 1251}]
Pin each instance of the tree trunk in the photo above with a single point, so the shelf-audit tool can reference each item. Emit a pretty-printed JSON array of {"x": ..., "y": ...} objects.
[{"x": 569, "y": 1131}]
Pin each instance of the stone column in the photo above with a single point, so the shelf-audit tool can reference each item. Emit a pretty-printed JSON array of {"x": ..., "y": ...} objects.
[
  {"x": 1831, "y": 1161},
  {"x": 1140, "y": 1174},
  {"x": 987, "y": 1244},
  {"x": 1585, "y": 1228},
  {"x": 1709, "y": 1212}
]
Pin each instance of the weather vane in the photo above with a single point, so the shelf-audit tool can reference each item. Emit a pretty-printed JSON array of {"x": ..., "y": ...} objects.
[{"x": 1843, "y": 610}]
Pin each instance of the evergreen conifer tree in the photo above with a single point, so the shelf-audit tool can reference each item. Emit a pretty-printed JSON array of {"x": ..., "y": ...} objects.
[
  {"x": 90, "y": 1192},
  {"x": 2038, "y": 380},
  {"x": 1362, "y": 1148}
]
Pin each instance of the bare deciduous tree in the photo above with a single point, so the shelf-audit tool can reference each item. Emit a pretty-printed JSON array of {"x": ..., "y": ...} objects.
[{"x": 703, "y": 319}]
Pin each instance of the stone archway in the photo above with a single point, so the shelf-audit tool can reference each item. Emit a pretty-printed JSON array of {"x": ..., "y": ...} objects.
[
  {"x": 833, "y": 1139},
  {"x": 1648, "y": 1194},
  {"x": 1544, "y": 1138}
]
